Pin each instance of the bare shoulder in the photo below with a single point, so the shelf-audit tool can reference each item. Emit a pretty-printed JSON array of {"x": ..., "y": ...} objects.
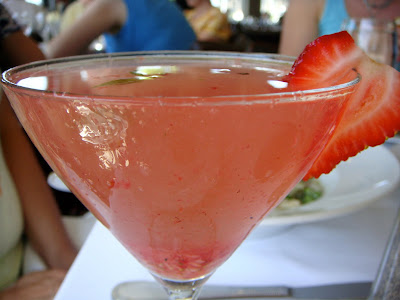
[
  {"x": 110, "y": 8},
  {"x": 314, "y": 7},
  {"x": 106, "y": 15},
  {"x": 300, "y": 25}
]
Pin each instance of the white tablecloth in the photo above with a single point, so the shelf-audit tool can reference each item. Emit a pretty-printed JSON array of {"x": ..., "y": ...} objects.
[{"x": 344, "y": 249}]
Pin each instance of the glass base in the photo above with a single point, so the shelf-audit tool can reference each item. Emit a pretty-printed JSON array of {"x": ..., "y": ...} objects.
[{"x": 174, "y": 290}]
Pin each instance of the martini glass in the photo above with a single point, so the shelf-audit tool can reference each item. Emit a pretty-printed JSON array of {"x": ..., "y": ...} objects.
[{"x": 179, "y": 154}]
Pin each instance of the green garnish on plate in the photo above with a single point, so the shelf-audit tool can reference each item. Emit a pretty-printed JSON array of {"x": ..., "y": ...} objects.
[{"x": 303, "y": 193}]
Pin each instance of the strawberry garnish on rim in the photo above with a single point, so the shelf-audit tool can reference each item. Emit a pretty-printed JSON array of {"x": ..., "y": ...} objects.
[{"x": 372, "y": 113}]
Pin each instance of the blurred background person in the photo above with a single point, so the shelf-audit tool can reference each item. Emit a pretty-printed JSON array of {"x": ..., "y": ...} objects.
[
  {"x": 208, "y": 22},
  {"x": 71, "y": 13},
  {"x": 305, "y": 20},
  {"x": 127, "y": 25},
  {"x": 27, "y": 206}
]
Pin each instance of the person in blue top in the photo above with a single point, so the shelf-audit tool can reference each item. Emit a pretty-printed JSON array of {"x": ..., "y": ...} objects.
[
  {"x": 127, "y": 25},
  {"x": 305, "y": 20}
]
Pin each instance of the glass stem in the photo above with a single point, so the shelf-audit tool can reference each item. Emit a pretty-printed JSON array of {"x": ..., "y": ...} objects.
[
  {"x": 184, "y": 294},
  {"x": 185, "y": 290}
]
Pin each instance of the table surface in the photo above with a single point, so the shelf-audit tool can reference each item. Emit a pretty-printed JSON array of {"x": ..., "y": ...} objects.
[{"x": 348, "y": 248}]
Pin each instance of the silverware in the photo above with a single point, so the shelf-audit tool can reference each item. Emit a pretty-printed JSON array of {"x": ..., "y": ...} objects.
[
  {"x": 152, "y": 291},
  {"x": 387, "y": 283}
]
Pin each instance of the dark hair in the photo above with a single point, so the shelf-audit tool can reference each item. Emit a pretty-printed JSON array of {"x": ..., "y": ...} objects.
[{"x": 182, "y": 4}]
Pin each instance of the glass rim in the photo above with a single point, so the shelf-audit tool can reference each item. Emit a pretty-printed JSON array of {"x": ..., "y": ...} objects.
[{"x": 286, "y": 96}]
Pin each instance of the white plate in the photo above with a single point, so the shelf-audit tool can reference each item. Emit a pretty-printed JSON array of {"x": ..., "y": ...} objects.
[
  {"x": 352, "y": 185},
  {"x": 56, "y": 183}
]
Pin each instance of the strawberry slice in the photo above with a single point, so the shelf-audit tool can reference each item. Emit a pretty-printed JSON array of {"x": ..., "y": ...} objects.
[{"x": 373, "y": 111}]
